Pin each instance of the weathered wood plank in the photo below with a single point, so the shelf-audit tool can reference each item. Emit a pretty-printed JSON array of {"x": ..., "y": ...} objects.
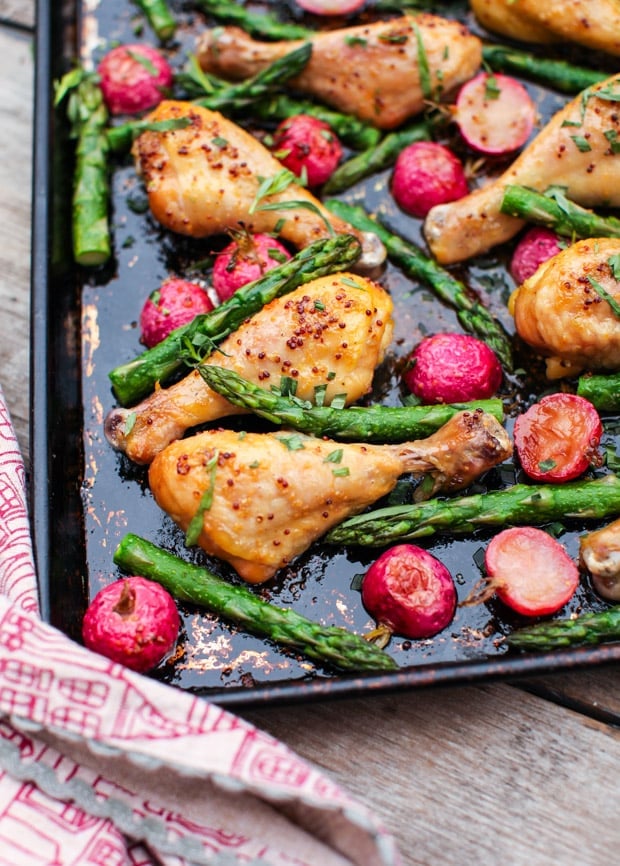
[
  {"x": 481, "y": 775},
  {"x": 16, "y": 75},
  {"x": 21, "y": 12}
]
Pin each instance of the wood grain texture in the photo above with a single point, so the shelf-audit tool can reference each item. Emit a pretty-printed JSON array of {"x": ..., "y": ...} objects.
[
  {"x": 16, "y": 77},
  {"x": 485, "y": 775},
  {"x": 481, "y": 774}
]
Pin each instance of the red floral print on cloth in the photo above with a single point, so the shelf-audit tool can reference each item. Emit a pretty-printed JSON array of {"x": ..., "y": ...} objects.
[{"x": 100, "y": 766}]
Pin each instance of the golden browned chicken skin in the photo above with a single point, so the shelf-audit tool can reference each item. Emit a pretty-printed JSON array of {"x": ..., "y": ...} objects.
[
  {"x": 203, "y": 179},
  {"x": 593, "y": 23},
  {"x": 332, "y": 332},
  {"x": 599, "y": 552},
  {"x": 560, "y": 313},
  {"x": 371, "y": 71},
  {"x": 273, "y": 494},
  {"x": 591, "y": 176}
]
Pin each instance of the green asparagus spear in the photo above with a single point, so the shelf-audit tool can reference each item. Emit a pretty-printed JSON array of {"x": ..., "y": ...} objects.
[
  {"x": 553, "y": 210},
  {"x": 375, "y": 159},
  {"x": 238, "y": 96},
  {"x": 88, "y": 116},
  {"x": 353, "y": 424},
  {"x": 519, "y": 504},
  {"x": 160, "y": 18},
  {"x": 559, "y": 74},
  {"x": 586, "y": 629},
  {"x": 261, "y": 25},
  {"x": 327, "y": 645},
  {"x": 353, "y": 132},
  {"x": 603, "y": 391},
  {"x": 472, "y": 315},
  {"x": 135, "y": 379}
]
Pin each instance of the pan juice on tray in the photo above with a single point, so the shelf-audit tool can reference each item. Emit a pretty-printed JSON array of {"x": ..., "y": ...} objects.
[{"x": 276, "y": 437}]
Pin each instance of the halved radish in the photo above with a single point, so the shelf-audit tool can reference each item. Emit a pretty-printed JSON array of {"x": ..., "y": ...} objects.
[
  {"x": 409, "y": 592},
  {"x": 330, "y": 7},
  {"x": 495, "y": 113},
  {"x": 557, "y": 438},
  {"x": 529, "y": 570}
]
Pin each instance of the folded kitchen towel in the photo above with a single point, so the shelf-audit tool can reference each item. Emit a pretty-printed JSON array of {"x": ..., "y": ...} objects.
[{"x": 100, "y": 765}]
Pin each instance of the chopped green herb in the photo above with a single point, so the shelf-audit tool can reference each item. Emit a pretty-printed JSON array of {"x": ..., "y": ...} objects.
[
  {"x": 423, "y": 66},
  {"x": 547, "y": 465},
  {"x": 352, "y": 41},
  {"x": 195, "y": 526},
  {"x": 335, "y": 456},
  {"x": 582, "y": 143},
  {"x": 331, "y": 376},
  {"x": 292, "y": 443},
  {"x": 294, "y": 205},
  {"x": 604, "y": 294},
  {"x": 492, "y": 89},
  {"x": 614, "y": 264},
  {"x": 614, "y": 142},
  {"x": 218, "y": 141},
  {"x": 277, "y": 255},
  {"x": 350, "y": 282},
  {"x": 341, "y": 472},
  {"x": 254, "y": 464},
  {"x": 269, "y": 186},
  {"x": 144, "y": 62},
  {"x": 339, "y": 401},
  {"x": 319, "y": 394},
  {"x": 319, "y": 305},
  {"x": 288, "y": 386},
  {"x": 130, "y": 420}
]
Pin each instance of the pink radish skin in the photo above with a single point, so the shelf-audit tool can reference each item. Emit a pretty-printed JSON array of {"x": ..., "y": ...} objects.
[
  {"x": 308, "y": 147},
  {"x": 409, "y": 593},
  {"x": 175, "y": 303},
  {"x": 426, "y": 174},
  {"x": 134, "y": 78},
  {"x": 535, "y": 247},
  {"x": 453, "y": 368},
  {"x": 133, "y": 621},
  {"x": 495, "y": 113},
  {"x": 330, "y": 7},
  {"x": 530, "y": 571},
  {"x": 244, "y": 260}
]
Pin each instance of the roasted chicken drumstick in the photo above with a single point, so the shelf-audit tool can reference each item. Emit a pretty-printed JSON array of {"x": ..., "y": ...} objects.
[
  {"x": 593, "y": 23},
  {"x": 331, "y": 333},
  {"x": 372, "y": 71},
  {"x": 203, "y": 179},
  {"x": 574, "y": 151},
  {"x": 272, "y": 494},
  {"x": 561, "y": 311}
]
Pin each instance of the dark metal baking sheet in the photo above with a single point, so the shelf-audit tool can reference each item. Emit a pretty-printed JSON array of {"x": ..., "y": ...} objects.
[{"x": 85, "y": 496}]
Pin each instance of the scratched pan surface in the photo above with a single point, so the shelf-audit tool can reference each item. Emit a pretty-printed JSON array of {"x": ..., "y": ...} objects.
[{"x": 86, "y": 496}]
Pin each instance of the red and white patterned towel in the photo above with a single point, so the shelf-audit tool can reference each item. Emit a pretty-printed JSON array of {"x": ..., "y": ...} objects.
[{"x": 99, "y": 765}]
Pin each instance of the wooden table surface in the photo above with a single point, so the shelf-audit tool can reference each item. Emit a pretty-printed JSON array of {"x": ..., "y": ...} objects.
[{"x": 487, "y": 774}]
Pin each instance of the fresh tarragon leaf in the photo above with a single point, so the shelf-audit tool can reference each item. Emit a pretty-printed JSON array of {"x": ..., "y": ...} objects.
[
  {"x": 292, "y": 443},
  {"x": 272, "y": 186},
  {"x": 195, "y": 525},
  {"x": 604, "y": 294}
]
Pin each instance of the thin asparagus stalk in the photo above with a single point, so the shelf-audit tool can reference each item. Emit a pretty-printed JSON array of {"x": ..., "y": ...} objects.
[
  {"x": 137, "y": 378},
  {"x": 558, "y": 213},
  {"x": 376, "y": 158},
  {"x": 519, "y": 504},
  {"x": 353, "y": 424},
  {"x": 327, "y": 645},
  {"x": 238, "y": 96},
  {"x": 472, "y": 315},
  {"x": 261, "y": 25},
  {"x": 601, "y": 390},
  {"x": 586, "y": 629},
  {"x": 88, "y": 115},
  {"x": 559, "y": 74},
  {"x": 353, "y": 132},
  {"x": 160, "y": 18}
]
